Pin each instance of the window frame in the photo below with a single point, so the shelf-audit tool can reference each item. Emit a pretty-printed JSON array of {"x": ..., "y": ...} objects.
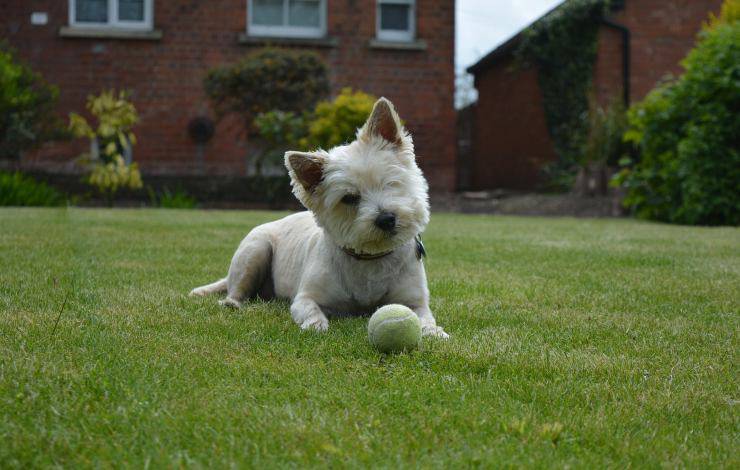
[
  {"x": 284, "y": 30},
  {"x": 395, "y": 35},
  {"x": 113, "y": 22}
]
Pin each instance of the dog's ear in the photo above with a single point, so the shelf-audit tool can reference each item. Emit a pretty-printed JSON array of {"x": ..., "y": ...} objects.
[
  {"x": 307, "y": 169},
  {"x": 383, "y": 122}
]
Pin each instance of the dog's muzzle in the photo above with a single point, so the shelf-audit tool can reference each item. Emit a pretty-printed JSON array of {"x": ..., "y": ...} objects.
[{"x": 386, "y": 221}]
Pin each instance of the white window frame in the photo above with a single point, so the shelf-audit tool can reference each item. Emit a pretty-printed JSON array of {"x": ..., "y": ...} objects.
[
  {"x": 394, "y": 35},
  {"x": 113, "y": 21},
  {"x": 286, "y": 31}
]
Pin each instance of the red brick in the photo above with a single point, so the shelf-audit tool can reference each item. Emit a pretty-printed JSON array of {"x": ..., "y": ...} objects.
[
  {"x": 165, "y": 77},
  {"x": 510, "y": 138}
]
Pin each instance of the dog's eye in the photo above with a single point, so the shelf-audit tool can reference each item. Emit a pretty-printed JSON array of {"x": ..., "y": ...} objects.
[{"x": 351, "y": 199}]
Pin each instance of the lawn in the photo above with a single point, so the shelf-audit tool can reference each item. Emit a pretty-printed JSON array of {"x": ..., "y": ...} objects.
[{"x": 581, "y": 343}]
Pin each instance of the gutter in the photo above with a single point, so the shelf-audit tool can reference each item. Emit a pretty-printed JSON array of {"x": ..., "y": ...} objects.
[{"x": 626, "y": 47}]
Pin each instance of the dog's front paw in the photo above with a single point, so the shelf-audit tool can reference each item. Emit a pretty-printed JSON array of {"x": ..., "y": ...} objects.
[
  {"x": 316, "y": 323},
  {"x": 434, "y": 331},
  {"x": 198, "y": 292},
  {"x": 229, "y": 302}
]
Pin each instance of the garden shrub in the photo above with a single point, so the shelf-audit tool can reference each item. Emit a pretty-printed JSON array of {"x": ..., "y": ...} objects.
[
  {"x": 17, "y": 189},
  {"x": 278, "y": 132},
  {"x": 602, "y": 149},
  {"x": 330, "y": 123},
  {"x": 268, "y": 80},
  {"x": 563, "y": 46},
  {"x": 270, "y": 90},
  {"x": 604, "y": 141},
  {"x": 335, "y": 122},
  {"x": 178, "y": 199},
  {"x": 686, "y": 134},
  {"x": 27, "y": 117},
  {"x": 111, "y": 138}
]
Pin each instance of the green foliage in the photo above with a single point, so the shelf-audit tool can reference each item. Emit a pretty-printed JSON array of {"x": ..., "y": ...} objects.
[
  {"x": 336, "y": 122},
  {"x": 27, "y": 117},
  {"x": 686, "y": 132},
  {"x": 178, "y": 199},
  {"x": 109, "y": 177},
  {"x": 563, "y": 46},
  {"x": 330, "y": 123},
  {"x": 17, "y": 189},
  {"x": 280, "y": 127},
  {"x": 729, "y": 13},
  {"x": 267, "y": 80},
  {"x": 113, "y": 134},
  {"x": 116, "y": 117},
  {"x": 604, "y": 142},
  {"x": 277, "y": 132}
]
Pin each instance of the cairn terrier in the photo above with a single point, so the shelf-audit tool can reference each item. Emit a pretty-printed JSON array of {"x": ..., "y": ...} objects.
[{"x": 357, "y": 247}]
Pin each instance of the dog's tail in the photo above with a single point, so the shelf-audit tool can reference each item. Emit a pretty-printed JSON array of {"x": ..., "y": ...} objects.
[{"x": 213, "y": 288}]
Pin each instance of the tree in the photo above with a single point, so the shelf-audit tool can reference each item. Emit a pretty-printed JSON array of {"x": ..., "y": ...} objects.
[
  {"x": 268, "y": 80},
  {"x": 27, "y": 102},
  {"x": 686, "y": 134}
]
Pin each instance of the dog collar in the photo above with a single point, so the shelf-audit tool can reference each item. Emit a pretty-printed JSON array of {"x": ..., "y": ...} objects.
[
  {"x": 420, "y": 251},
  {"x": 365, "y": 256}
]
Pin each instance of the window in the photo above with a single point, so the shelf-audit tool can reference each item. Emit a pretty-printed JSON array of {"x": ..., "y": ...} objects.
[
  {"x": 396, "y": 20},
  {"x": 123, "y": 14},
  {"x": 287, "y": 18}
]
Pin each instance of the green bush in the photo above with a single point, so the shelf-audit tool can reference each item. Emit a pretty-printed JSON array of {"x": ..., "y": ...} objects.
[
  {"x": 270, "y": 79},
  {"x": 336, "y": 122},
  {"x": 115, "y": 116},
  {"x": 330, "y": 123},
  {"x": 562, "y": 46},
  {"x": 178, "y": 199},
  {"x": 277, "y": 131},
  {"x": 604, "y": 142},
  {"x": 27, "y": 102},
  {"x": 686, "y": 132},
  {"x": 17, "y": 189}
]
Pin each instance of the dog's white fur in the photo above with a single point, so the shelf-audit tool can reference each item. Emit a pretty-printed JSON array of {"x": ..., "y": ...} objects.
[{"x": 304, "y": 256}]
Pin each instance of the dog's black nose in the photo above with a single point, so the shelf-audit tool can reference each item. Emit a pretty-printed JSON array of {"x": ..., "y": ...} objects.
[{"x": 386, "y": 221}]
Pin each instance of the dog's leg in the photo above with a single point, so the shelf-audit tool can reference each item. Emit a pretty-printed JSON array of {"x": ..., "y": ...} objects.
[
  {"x": 249, "y": 267},
  {"x": 429, "y": 324},
  {"x": 308, "y": 314},
  {"x": 213, "y": 288},
  {"x": 411, "y": 290}
]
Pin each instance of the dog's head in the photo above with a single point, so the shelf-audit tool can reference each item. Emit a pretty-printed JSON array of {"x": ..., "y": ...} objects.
[{"x": 369, "y": 195}]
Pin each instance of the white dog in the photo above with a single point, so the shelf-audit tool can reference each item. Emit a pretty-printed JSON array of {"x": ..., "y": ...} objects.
[{"x": 358, "y": 247}]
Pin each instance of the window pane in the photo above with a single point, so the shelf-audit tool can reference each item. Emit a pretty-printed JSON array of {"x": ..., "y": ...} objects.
[
  {"x": 131, "y": 10},
  {"x": 394, "y": 17},
  {"x": 91, "y": 11},
  {"x": 304, "y": 13},
  {"x": 267, "y": 12}
]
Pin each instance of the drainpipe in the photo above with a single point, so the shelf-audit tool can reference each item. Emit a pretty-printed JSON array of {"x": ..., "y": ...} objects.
[{"x": 626, "y": 39}]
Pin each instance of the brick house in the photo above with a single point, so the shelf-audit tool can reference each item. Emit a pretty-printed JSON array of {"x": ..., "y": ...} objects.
[
  {"x": 160, "y": 50},
  {"x": 638, "y": 44}
]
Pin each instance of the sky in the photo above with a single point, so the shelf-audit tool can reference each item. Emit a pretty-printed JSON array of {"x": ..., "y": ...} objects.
[{"x": 484, "y": 24}]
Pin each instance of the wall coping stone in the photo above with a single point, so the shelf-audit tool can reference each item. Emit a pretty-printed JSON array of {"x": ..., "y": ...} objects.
[
  {"x": 417, "y": 45},
  {"x": 328, "y": 41},
  {"x": 110, "y": 33}
]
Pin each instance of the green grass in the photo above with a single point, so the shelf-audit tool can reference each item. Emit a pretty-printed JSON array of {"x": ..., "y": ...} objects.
[{"x": 581, "y": 343}]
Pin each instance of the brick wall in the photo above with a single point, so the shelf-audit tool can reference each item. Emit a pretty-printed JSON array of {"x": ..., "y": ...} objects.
[
  {"x": 510, "y": 137},
  {"x": 165, "y": 77},
  {"x": 662, "y": 33},
  {"x": 511, "y": 140}
]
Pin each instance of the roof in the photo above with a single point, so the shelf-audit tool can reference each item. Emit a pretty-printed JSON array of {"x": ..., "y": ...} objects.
[
  {"x": 506, "y": 48},
  {"x": 500, "y": 52}
]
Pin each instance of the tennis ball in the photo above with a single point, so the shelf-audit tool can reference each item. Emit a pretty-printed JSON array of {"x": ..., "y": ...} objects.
[{"x": 394, "y": 328}]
